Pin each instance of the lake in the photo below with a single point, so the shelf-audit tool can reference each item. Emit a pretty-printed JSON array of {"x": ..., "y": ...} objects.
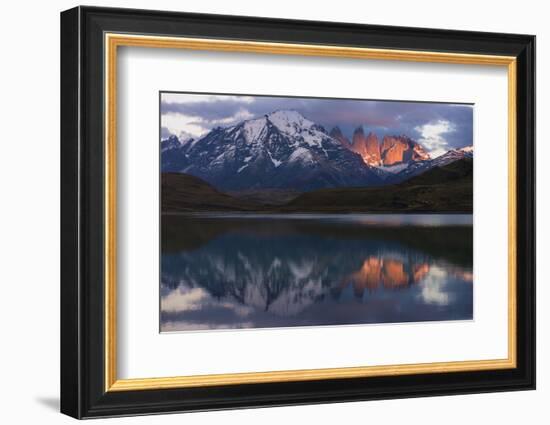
[{"x": 237, "y": 271}]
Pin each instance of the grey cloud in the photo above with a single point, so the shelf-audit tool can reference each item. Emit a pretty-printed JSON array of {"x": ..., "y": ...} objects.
[{"x": 164, "y": 133}]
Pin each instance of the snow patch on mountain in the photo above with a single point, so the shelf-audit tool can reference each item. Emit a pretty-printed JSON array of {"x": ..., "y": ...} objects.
[
  {"x": 394, "y": 169},
  {"x": 274, "y": 161},
  {"x": 253, "y": 129},
  {"x": 301, "y": 154}
]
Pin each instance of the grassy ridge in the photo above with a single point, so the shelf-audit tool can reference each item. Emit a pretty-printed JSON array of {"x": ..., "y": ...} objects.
[
  {"x": 186, "y": 193},
  {"x": 445, "y": 189},
  {"x": 441, "y": 189}
]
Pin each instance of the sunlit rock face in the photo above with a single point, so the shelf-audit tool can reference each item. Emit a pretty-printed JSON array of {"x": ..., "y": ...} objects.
[
  {"x": 401, "y": 149},
  {"x": 391, "y": 151},
  {"x": 387, "y": 272},
  {"x": 367, "y": 277},
  {"x": 372, "y": 150},
  {"x": 358, "y": 142},
  {"x": 366, "y": 146}
]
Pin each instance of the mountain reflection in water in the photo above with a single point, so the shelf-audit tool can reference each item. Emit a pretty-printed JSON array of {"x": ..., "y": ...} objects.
[{"x": 256, "y": 271}]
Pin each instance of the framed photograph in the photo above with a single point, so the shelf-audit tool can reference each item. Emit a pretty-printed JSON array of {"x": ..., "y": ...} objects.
[{"x": 261, "y": 212}]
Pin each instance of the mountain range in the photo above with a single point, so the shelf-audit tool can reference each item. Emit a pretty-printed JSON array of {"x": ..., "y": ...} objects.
[{"x": 285, "y": 150}]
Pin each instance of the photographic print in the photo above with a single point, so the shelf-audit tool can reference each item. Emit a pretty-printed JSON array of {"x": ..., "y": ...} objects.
[
  {"x": 299, "y": 211},
  {"x": 292, "y": 184}
]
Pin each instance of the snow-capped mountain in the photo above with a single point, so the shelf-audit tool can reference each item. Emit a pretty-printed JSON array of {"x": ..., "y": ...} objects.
[
  {"x": 282, "y": 149},
  {"x": 173, "y": 142}
]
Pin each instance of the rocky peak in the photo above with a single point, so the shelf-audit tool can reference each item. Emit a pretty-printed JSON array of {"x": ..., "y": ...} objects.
[
  {"x": 373, "y": 150},
  {"x": 467, "y": 150},
  {"x": 366, "y": 146},
  {"x": 358, "y": 137},
  {"x": 401, "y": 149},
  {"x": 337, "y": 134},
  {"x": 289, "y": 121},
  {"x": 172, "y": 142},
  {"x": 253, "y": 129},
  {"x": 358, "y": 141}
]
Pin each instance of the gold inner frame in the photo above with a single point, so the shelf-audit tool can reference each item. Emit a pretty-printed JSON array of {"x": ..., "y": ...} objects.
[{"x": 113, "y": 41}]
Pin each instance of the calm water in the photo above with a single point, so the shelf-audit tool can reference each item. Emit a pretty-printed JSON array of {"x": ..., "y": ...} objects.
[{"x": 257, "y": 271}]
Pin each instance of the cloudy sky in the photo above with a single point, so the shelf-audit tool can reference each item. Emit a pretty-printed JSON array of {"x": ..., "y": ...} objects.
[{"x": 437, "y": 126}]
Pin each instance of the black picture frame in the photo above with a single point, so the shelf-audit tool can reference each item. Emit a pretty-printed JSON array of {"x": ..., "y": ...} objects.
[{"x": 83, "y": 392}]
